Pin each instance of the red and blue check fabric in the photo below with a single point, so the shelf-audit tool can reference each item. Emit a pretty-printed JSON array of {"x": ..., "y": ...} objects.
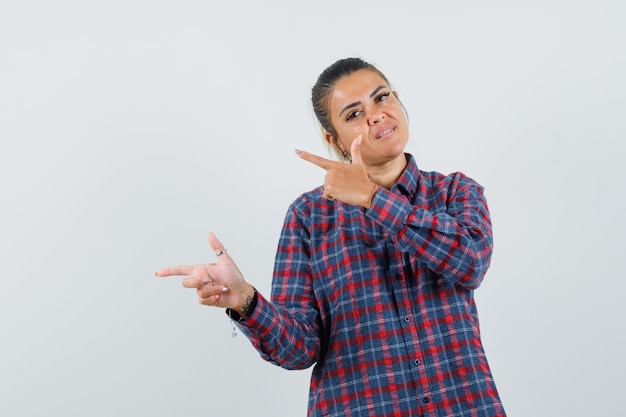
[{"x": 381, "y": 300}]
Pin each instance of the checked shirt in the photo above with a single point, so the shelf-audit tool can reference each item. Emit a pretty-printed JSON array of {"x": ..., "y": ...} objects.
[{"x": 381, "y": 302}]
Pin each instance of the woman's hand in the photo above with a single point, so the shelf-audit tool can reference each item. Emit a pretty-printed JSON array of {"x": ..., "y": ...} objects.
[
  {"x": 348, "y": 183},
  {"x": 219, "y": 284}
]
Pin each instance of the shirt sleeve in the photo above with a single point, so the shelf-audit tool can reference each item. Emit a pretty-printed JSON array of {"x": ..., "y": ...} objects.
[
  {"x": 286, "y": 331},
  {"x": 456, "y": 243}
]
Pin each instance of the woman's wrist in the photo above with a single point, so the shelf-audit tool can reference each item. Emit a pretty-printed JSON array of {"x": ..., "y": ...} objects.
[
  {"x": 375, "y": 188},
  {"x": 248, "y": 302}
]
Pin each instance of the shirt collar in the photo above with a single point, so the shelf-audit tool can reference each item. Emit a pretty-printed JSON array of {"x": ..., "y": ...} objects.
[{"x": 407, "y": 182}]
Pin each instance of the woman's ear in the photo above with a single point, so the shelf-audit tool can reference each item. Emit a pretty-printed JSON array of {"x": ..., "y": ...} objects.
[{"x": 336, "y": 144}]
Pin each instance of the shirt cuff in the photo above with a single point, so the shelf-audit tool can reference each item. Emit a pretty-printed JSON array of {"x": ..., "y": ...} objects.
[{"x": 389, "y": 210}]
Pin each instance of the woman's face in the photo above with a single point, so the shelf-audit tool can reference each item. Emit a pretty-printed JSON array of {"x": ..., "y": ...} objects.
[{"x": 362, "y": 103}]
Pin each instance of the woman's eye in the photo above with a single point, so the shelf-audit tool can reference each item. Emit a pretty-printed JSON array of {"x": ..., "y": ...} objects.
[
  {"x": 382, "y": 97},
  {"x": 353, "y": 114}
]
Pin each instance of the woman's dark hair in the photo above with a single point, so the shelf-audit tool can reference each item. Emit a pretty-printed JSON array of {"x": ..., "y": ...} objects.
[{"x": 326, "y": 82}]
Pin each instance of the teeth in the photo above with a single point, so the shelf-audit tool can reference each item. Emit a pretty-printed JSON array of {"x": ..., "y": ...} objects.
[{"x": 383, "y": 133}]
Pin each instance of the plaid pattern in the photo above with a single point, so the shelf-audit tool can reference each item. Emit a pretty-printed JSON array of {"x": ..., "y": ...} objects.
[{"x": 381, "y": 301}]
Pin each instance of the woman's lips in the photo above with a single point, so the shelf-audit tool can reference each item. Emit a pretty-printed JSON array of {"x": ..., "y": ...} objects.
[{"x": 384, "y": 133}]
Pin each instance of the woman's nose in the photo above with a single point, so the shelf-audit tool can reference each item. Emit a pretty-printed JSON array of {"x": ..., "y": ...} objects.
[{"x": 375, "y": 117}]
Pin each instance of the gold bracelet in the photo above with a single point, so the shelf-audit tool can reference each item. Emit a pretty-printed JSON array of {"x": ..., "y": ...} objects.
[
  {"x": 251, "y": 306},
  {"x": 374, "y": 189}
]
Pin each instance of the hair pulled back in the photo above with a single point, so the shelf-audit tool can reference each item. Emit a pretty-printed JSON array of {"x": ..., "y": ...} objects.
[{"x": 321, "y": 91}]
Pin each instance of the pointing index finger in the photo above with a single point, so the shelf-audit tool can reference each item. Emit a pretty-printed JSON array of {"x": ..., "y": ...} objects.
[
  {"x": 175, "y": 270},
  {"x": 315, "y": 159}
]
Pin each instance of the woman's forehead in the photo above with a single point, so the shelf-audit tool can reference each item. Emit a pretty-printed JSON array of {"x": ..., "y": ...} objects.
[
  {"x": 356, "y": 87},
  {"x": 360, "y": 78}
]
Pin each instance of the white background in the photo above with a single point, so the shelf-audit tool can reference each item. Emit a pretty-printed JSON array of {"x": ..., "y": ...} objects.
[{"x": 130, "y": 129}]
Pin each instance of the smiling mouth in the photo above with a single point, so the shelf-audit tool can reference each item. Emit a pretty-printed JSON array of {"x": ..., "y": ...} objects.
[{"x": 385, "y": 132}]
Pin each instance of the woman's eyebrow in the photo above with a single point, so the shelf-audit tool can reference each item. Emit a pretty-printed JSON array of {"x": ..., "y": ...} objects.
[
  {"x": 373, "y": 93},
  {"x": 356, "y": 103}
]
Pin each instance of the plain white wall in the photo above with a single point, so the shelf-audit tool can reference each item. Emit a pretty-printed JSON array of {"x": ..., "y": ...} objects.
[{"x": 129, "y": 129}]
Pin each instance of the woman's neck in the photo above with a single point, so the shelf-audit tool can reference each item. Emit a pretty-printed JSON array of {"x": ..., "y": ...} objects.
[{"x": 387, "y": 174}]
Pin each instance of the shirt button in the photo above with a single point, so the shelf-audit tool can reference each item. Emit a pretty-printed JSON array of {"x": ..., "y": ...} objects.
[
  {"x": 416, "y": 362},
  {"x": 426, "y": 400},
  {"x": 407, "y": 319},
  {"x": 398, "y": 276}
]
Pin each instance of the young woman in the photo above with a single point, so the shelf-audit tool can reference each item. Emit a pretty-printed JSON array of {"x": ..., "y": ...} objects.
[{"x": 375, "y": 271}]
